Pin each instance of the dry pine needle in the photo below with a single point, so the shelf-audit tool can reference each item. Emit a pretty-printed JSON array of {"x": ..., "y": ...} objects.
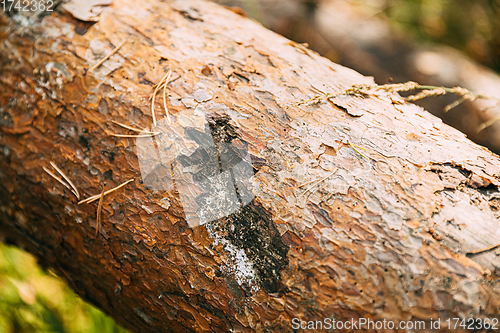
[
  {"x": 99, "y": 213},
  {"x": 108, "y": 56},
  {"x": 97, "y": 196}
]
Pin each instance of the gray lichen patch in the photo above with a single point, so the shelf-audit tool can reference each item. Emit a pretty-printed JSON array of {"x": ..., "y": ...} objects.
[{"x": 256, "y": 252}]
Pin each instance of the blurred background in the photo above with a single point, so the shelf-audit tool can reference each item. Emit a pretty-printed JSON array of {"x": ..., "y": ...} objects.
[
  {"x": 33, "y": 300},
  {"x": 432, "y": 42}
]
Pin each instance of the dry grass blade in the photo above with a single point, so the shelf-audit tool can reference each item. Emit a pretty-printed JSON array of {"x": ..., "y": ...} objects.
[
  {"x": 317, "y": 90},
  {"x": 58, "y": 179},
  {"x": 426, "y": 93},
  {"x": 309, "y": 182},
  {"x": 320, "y": 180},
  {"x": 96, "y": 197},
  {"x": 133, "y": 128},
  {"x": 154, "y": 95},
  {"x": 456, "y": 103},
  {"x": 75, "y": 190},
  {"x": 163, "y": 84},
  {"x": 353, "y": 146},
  {"x": 487, "y": 124},
  {"x": 99, "y": 212},
  {"x": 108, "y": 56},
  {"x": 316, "y": 180},
  {"x": 315, "y": 99},
  {"x": 146, "y": 135},
  {"x": 164, "y": 96}
]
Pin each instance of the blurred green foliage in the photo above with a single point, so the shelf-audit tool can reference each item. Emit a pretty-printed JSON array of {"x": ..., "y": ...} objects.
[
  {"x": 470, "y": 26},
  {"x": 32, "y": 300}
]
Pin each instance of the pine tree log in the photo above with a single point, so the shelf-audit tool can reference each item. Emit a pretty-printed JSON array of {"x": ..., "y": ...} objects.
[{"x": 249, "y": 209}]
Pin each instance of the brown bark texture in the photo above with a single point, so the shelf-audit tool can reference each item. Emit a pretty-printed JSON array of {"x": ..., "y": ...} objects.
[{"x": 247, "y": 209}]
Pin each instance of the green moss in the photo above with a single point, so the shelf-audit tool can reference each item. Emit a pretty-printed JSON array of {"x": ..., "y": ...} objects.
[{"x": 32, "y": 300}]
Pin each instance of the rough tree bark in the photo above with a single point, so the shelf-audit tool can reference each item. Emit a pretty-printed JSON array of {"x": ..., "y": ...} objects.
[{"x": 224, "y": 237}]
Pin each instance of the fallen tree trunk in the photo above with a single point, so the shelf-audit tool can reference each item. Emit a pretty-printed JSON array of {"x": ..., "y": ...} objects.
[{"x": 249, "y": 210}]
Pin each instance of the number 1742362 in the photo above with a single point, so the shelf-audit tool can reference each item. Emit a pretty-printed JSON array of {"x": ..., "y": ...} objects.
[
  {"x": 27, "y": 5},
  {"x": 472, "y": 323}
]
